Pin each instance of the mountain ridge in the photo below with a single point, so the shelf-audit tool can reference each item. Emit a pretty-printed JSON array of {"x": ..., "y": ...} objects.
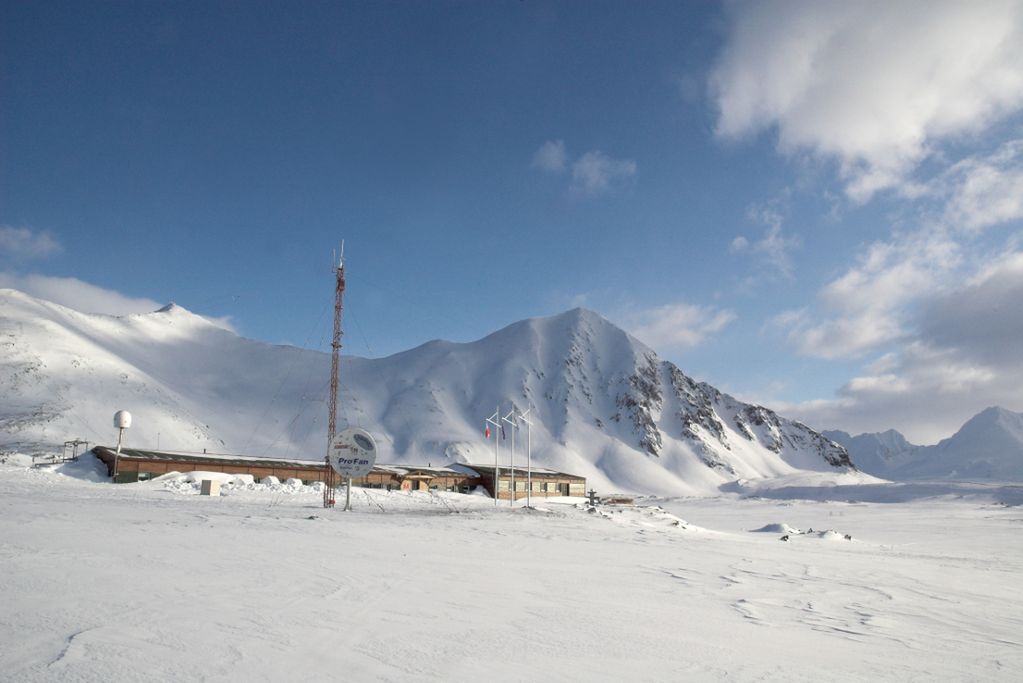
[
  {"x": 603, "y": 404},
  {"x": 988, "y": 446}
]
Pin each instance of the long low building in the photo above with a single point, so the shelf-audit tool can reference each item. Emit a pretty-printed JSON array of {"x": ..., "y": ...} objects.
[{"x": 134, "y": 464}]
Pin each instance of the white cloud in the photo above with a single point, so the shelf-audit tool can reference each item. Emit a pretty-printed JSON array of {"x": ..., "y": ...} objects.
[
  {"x": 893, "y": 273},
  {"x": 986, "y": 191},
  {"x": 77, "y": 295},
  {"x": 739, "y": 244},
  {"x": 847, "y": 337},
  {"x": 25, "y": 244},
  {"x": 928, "y": 394},
  {"x": 958, "y": 354},
  {"x": 872, "y": 85},
  {"x": 983, "y": 319},
  {"x": 677, "y": 326},
  {"x": 774, "y": 249},
  {"x": 591, "y": 174},
  {"x": 551, "y": 157},
  {"x": 595, "y": 172},
  {"x": 87, "y": 298},
  {"x": 868, "y": 304},
  {"x": 904, "y": 97}
]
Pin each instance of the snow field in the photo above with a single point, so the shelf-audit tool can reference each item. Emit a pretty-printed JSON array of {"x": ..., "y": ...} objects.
[{"x": 139, "y": 582}]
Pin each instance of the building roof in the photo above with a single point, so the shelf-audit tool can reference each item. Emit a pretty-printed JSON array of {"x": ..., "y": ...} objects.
[
  {"x": 224, "y": 458},
  {"x": 107, "y": 453},
  {"x": 522, "y": 472}
]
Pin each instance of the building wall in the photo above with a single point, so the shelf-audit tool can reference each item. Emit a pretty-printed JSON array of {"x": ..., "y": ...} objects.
[
  {"x": 378, "y": 480},
  {"x": 133, "y": 469},
  {"x": 544, "y": 485}
]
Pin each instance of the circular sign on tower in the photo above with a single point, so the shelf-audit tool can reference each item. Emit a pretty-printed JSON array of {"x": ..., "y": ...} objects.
[{"x": 353, "y": 453}]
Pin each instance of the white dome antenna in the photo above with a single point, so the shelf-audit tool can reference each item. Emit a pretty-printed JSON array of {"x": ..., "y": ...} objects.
[{"x": 122, "y": 421}]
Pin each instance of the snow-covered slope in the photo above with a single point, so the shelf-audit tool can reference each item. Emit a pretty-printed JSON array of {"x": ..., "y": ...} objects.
[
  {"x": 603, "y": 404},
  {"x": 988, "y": 447}
]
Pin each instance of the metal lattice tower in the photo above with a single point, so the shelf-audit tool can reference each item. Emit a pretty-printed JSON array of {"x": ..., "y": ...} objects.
[{"x": 330, "y": 479}]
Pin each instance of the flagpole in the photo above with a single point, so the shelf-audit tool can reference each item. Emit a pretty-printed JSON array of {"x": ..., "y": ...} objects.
[
  {"x": 497, "y": 459},
  {"x": 495, "y": 420},
  {"x": 511, "y": 414},
  {"x": 529, "y": 457}
]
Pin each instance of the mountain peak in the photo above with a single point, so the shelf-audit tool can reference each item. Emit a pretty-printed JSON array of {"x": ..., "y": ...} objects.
[
  {"x": 989, "y": 421},
  {"x": 996, "y": 413},
  {"x": 577, "y": 316}
]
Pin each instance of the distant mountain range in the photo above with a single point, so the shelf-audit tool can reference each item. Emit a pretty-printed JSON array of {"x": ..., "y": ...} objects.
[
  {"x": 601, "y": 403},
  {"x": 989, "y": 447}
]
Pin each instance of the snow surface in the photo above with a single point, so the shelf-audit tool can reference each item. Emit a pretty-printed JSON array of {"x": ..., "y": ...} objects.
[{"x": 146, "y": 582}]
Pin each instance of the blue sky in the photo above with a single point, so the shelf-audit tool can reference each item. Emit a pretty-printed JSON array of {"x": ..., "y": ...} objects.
[{"x": 805, "y": 204}]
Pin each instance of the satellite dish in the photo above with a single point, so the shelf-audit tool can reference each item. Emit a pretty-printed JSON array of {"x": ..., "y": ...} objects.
[
  {"x": 122, "y": 419},
  {"x": 353, "y": 453}
]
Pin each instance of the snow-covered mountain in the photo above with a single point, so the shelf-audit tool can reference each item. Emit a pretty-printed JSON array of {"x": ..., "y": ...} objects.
[
  {"x": 877, "y": 453},
  {"x": 602, "y": 404},
  {"x": 988, "y": 447}
]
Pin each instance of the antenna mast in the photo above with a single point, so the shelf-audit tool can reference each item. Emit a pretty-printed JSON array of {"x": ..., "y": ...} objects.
[{"x": 330, "y": 480}]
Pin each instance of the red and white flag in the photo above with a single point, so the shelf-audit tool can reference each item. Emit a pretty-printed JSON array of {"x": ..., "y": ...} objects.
[{"x": 487, "y": 432}]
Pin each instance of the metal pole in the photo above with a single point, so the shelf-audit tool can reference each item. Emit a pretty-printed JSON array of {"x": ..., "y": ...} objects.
[
  {"x": 497, "y": 464},
  {"x": 511, "y": 413},
  {"x": 513, "y": 492},
  {"x": 348, "y": 495},
  {"x": 529, "y": 456},
  {"x": 117, "y": 456},
  {"x": 495, "y": 420},
  {"x": 529, "y": 461}
]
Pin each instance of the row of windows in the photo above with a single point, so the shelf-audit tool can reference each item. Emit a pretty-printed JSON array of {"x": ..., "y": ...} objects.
[
  {"x": 538, "y": 486},
  {"x": 415, "y": 487}
]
